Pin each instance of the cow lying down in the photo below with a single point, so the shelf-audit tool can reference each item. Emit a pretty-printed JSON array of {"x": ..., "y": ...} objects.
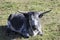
[{"x": 27, "y": 24}]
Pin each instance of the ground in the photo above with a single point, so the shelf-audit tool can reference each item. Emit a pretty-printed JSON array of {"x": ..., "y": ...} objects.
[{"x": 50, "y": 22}]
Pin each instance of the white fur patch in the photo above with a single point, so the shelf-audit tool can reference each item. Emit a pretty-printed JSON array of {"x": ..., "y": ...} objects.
[
  {"x": 36, "y": 22},
  {"x": 35, "y": 32}
]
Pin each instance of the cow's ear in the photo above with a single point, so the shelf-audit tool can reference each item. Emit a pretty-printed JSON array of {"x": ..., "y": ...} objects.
[{"x": 42, "y": 13}]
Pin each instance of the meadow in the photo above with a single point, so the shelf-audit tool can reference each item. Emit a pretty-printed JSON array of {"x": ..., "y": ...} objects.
[{"x": 50, "y": 22}]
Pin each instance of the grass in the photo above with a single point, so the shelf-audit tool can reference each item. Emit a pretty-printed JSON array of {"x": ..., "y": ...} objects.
[{"x": 50, "y": 22}]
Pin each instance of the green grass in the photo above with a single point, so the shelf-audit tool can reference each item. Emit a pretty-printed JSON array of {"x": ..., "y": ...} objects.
[{"x": 50, "y": 22}]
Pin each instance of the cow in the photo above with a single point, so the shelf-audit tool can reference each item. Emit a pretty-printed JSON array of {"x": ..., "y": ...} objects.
[{"x": 27, "y": 24}]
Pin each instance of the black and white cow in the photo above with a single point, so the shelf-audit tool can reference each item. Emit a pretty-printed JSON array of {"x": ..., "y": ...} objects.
[{"x": 27, "y": 24}]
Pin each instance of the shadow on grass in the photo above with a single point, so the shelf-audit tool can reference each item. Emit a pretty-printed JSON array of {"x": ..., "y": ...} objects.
[{"x": 8, "y": 36}]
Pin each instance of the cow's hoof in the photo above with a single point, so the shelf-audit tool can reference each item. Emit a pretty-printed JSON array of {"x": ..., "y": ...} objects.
[{"x": 25, "y": 36}]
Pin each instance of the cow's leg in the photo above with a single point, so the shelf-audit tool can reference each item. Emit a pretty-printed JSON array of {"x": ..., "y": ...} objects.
[{"x": 23, "y": 31}]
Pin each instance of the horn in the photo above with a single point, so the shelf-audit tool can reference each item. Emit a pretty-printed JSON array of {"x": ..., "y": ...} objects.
[
  {"x": 42, "y": 13},
  {"x": 45, "y": 12}
]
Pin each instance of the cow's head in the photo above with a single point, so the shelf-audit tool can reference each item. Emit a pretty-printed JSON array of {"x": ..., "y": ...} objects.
[{"x": 34, "y": 18}]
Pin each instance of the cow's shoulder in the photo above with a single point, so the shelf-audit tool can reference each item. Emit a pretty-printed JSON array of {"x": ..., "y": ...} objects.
[{"x": 17, "y": 20}]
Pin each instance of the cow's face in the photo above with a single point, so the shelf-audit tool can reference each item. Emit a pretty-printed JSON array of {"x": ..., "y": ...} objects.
[{"x": 33, "y": 19}]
